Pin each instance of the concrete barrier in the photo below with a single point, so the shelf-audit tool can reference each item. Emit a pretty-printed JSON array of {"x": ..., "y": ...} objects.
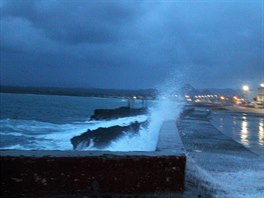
[{"x": 96, "y": 173}]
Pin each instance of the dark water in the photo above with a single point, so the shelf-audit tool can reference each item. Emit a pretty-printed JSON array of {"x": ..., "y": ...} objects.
[
  {"x": 49, "y": 122},
  {"x": 53, "y": 109}
]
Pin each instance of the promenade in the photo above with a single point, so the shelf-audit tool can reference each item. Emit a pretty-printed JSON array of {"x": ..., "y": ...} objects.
[
  {"x": 213, "y": 159},
  {"x": 244, "y": 109}
]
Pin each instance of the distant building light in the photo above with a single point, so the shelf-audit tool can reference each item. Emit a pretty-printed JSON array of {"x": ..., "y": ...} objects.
[
  {"x": 235, "y": 98},
  {"x": 134, "y": 97},
  {"x": 262, "y": 85},
  {"x": 222, "y": 97}
]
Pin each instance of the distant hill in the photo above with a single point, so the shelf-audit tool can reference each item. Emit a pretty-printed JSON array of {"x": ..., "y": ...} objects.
[
  {"x": 79, "y": 91},
  {"x": 141, "y": 93},
  {"x": 189, "y": 90}
]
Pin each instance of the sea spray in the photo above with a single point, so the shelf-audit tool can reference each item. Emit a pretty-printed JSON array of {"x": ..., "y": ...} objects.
[
  {"x": 147, "y": 138},
  {"x": 167, "y": 107},
  {"x": 201, "y": 181},
  {"x": 46, "y": 131},
  {"x": 246, "y": 183}
]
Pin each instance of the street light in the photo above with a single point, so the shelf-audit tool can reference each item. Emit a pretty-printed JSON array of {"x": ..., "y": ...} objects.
[{"x": 245, "y": 88}]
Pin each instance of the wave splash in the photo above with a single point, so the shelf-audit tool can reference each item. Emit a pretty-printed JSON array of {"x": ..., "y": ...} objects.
[
  {"x": 37, "y": 135},
  {"x": 32, "y": 134},
  {"x": 147, "y": 138},
  {"x": 165, "y": 108}
]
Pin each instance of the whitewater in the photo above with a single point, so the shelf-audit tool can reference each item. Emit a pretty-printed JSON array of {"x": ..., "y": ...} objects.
[
  {"x": 21, "y": 126},
  {"x": 49, "y": 136}
]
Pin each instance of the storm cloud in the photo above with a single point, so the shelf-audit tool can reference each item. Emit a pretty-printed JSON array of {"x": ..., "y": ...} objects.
[{"x": 131, "y": 44}]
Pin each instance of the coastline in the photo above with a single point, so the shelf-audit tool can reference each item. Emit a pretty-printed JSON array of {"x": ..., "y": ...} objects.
[{"x": 82, "y": 92}]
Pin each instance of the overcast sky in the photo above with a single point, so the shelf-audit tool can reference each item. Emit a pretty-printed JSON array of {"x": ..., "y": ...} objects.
[{"x": 132, "y": 44}]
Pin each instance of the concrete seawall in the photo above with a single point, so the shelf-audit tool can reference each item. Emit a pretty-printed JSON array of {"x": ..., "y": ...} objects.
[
  {"x": 213, "y": 158},
  {"x": 98, "y": 174}
]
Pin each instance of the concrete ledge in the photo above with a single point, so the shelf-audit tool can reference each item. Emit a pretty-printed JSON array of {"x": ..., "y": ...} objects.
[
  {"x": 169, "y": 140},
  {"x": 50, "y": 173}
]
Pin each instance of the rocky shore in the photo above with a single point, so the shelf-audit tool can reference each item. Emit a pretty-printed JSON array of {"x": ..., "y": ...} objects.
[
  {"x": 106, "y": 114},
  {"x": 101, "y": 137}
]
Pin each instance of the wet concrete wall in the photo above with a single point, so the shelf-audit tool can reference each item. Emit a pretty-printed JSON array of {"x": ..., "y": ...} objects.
[{"x": 84, "y": 173}]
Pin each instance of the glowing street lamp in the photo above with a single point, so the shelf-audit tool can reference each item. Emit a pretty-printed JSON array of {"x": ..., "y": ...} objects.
[
  {"x": 262, "y": 85},
  {"x": 245, "y": 88}
]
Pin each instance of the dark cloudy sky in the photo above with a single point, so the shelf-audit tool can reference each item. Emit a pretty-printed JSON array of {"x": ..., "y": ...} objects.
[{"x": 132, "y": 44}]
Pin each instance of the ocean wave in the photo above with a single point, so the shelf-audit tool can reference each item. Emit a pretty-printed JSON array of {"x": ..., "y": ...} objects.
[
  {"x": 13, "y": 134},
  {"x": 147, "y": 138},
  {"x": 16, "y": 147},
  {"x": 50, "y": 136}
]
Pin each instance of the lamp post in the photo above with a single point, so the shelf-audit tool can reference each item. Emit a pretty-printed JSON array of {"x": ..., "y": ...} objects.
[{"x": 246, "y": 90}]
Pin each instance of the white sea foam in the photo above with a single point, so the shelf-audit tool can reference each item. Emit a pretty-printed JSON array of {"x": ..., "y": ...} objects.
[
  {"x": 147, "y": 138},
  {"x": 50, "y": 136},
  {"x": 13, "y": 134},
  {"x": 201, "y": 178},
  {"x": 17, "y": 147},
  {"x": 246, "y": 183},
  {"x": 165, "y": 108}
]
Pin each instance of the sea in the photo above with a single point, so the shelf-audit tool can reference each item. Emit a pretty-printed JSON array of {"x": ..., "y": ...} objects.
[{"x": 48, "y": 122}]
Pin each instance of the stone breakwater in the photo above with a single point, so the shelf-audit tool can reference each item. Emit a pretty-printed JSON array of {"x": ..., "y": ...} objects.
[
  {"x": 101, "y": 137},
  {"x": 105, "y": 114}
]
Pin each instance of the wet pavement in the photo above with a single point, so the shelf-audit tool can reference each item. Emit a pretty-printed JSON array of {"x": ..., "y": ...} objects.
[{"x": 213, "y": 159}]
